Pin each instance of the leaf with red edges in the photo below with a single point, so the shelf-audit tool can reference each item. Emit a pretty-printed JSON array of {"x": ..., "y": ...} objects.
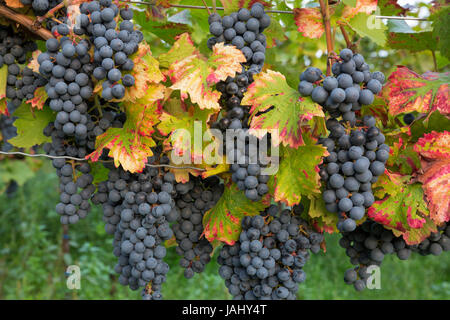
[
  {"x": 309, "y": 22},
  {"x": 406, "y": 91},
  {"x": 223, "y": 221},
  {"x": 434, "y": 145},
  {"x": 323, "y": 220},
  {"x": 298, "y": 173},
  {"x": 362, "y": 6},
  {"x": 195, "y": 75},
  {"x": 402, "y": 207},
  {"x": 40, "y": 96},
  {"x": 181, "y": 49},
  {"x": 275, "y": 105}
]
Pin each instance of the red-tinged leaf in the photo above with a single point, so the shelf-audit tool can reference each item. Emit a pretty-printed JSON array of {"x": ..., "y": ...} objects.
[
  {"x": 416, "y": 236},
  {"x": 298, "y": 173},
  {"x": 223, "y": 221},
  {"x": 3, "y": 77},
  {"x": 434, "y": 145},
  {"x": 406, "y": 91},
  {"x": 181, "y": 49},
  {"x": 40, "y": 96},
  {"x": 436, "y": 185},
  {"x": 128, "y": 149},
  {"x": 185, "y": 128},
  {"x": 403, "y": 157},
  {"x": 309, "y": 22},
  {"x": 402, "y": 207},
  {"x": 362, "y": 6},
  {"x": 195, "y": 75},
  {"x": 275, "y": 105},
  {"x": 322, "y": 219}
]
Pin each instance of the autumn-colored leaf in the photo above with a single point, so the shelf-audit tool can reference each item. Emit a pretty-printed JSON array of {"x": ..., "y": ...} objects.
[
  {"x": 298, "y": 173},
  {"x": 407, "y": 91},
  {"x": 403, "y": 157},
  {"x": 402, "y": 206},
  {"x": 3, "y": 77},
  {"x": 181, "y": 49},
  {"x": 14, "y": 4},
  {"x": 275, "y": 105},
  {"x": 195, "y": 75},
  {"x": 223, "y": 221},
  {"x": 185, "y": 128},
  {"x": 309, "y": 22},
  {"x": 40, "y": 96},
  {"x": 434, "y": 145},
  {"x": 34, "y": 64},
  {"x": 362, "y": 6},
  {"x": 323, "y": 220}
]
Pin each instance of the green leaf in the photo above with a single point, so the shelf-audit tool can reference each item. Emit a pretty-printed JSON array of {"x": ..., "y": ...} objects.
[
  {"x": 30, "y": 126},
  {"x": 20, "y": 171},
  {"x": 323, "y": 219},
  {"x": 413, "y": 41},
  {"x": 182, "y": 48},
  {"x": 223, "y": 221},
  {"x": 350, "y": 3},
  {"x": 367, "y": 26},
  {"x": 99, "y": 172},
  {"x": 275, "y": 105},
  {"x": 298, "y": 173},
  {"x": 441, "y": 22}
]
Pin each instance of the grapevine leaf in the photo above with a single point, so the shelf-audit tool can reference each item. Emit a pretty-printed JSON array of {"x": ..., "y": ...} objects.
[
  {"x": 416, "y": 236},
  {"x": 40, "y": 96},
  {"x": 298, "y": 173},
  {"x": 406, "y": 91},
  {"x": 184, "y": 128},
  {"x": 441, "y": 21},
  {"x": 181, "y": 49},
  {"x": 322, "y": 218},
  {"x": 367, "y": 26},
  {"x": 19, "y": 171},
  {"x": 404, "y": 157},
  {"x": 360, "y": 6},
  {"x": 274, "y": 32},
  {"x": 223, "y": 221},
  {"x": 414, "y": 42},
  {"x": 34, "y": 64},
  {"x": 434, "y": 145},
  {"x": 99, "y": 172},
  {"x": 402, "y": 207},
  {"x": 30, "y": 126},
  {"x": 3, "y": 103},
  {"x": 309, "y": 22},
  {"x": 436, "y": 185},
  {"x": 275, "y": 105},
  {"x": 194, "y": 75}
]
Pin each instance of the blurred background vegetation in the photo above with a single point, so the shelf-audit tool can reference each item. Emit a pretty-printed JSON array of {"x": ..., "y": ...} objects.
[
  {"x": 32, "y": 259},
  {"x": 32, "y": 262}
]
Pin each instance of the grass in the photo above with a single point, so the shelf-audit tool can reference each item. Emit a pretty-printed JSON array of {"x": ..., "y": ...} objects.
[{"x": 32, "y": 262}]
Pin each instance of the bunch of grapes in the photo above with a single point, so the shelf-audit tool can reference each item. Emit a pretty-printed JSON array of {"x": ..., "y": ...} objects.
[
  {"x": 194, "y": 199},
  {"x": 137, "y": 209},
  {"x": 113, "y": 44},
  {"x": 352, "y": 86},
  {"x": 21, "y": 81},
  {"x": 242, "y": 29},
  {"x": 41, "y": 7},
  {"x": 355, "y": 161},
  {"x": 266, "y": 263},
  {"x": 7, "y": 130},
  {"x": 436, "y": 243},
  {"x": 366, "y": 246}
]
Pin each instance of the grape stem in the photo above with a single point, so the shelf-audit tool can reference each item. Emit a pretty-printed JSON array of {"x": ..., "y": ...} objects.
[
  {"x": 324, "y": 9},
  {"x": 51, "y": 13},
  {"x": 346, "y": 37},
  {"x": 25, "y": 21},
  {"x": 206, "y": 6}
]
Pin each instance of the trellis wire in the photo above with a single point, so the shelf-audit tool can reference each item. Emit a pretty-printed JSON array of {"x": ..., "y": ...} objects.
[
  {"x": 186, "y": 6},
  {"x": 82, "y": 159}
]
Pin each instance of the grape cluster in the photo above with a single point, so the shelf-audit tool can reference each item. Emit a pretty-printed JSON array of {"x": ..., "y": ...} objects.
[
  {"x": 75, "y": 191},
  {"x": 355, "y": 161},
  {"x": 113, "y": 44},
  {"x": 266, "y": 263},
  {"x": 137, "y": 209},
  {"x": 21, "y": 81},
  {"x": 352, "y": 86},
  {"x": 242, "y": 29},
  {"x": 7, "y": 130},
  {"x": 436, "y": 243},
  {"x": 194, "y": 198},
  {"x": 67, "y": 67},
  {"x": 366, "y": 246}
]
